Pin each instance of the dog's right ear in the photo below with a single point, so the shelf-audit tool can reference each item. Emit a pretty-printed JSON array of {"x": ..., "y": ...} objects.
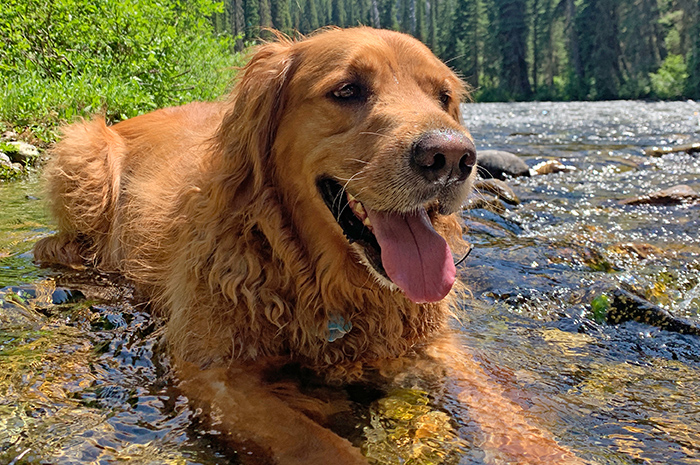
[{"x": 249, "y": 128}]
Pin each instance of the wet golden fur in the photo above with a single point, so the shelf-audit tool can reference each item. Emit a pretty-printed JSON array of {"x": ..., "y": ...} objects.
[{"x": 212, "y": 209}]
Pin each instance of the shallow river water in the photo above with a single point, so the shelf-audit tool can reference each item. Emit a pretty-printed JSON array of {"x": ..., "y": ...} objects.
[{"x": 82, "y": 378}]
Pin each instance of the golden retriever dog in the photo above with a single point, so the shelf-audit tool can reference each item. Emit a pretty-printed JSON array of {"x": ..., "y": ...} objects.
[{"x": 309, "y": 221}]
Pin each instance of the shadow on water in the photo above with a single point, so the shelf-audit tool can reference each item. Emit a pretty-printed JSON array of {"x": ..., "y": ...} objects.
[{"x": 83, "y": 380}]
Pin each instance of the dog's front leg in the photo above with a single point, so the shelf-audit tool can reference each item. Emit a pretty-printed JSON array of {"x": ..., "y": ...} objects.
[
  {"x": 240, "y": 406},
  {"x": 508, "y": 437}
]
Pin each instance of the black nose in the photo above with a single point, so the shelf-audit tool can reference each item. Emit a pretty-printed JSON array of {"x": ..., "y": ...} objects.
[{"x": 443, "y": 156}]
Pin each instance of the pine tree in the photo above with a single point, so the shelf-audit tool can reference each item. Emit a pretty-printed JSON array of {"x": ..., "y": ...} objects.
[
  {"x": 387, "y": 14},
  {"x": 490, "y": 47},
  {"x": 421, "y": 26},
  {"x": 432, "y": 39},
  {"x": 600, "y": 47},
  {"x": 643, "y": 49},
  {"x": 265, "y": 12},
  {"x": 461, "y": 48},
  {"x": 281, "y": 17},
  {"x": 692, "y": 85},
  {"x": 338, "y": 16},
  {"x": 512, "y": 34},
  {"x": 252, "y": 19}
]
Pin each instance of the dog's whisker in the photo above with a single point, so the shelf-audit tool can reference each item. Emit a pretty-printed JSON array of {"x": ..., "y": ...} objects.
[
  {"x": 371, "y": 133},
  {"x": 359, "y": 161},
  {"x": 352, "y": 178},
  {"x": 343, "y": 191}
]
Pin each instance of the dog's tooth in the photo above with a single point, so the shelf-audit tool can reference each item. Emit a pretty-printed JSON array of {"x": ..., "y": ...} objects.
[
  {"x": 367, "y": 223},
  {"x": 360, "y": 209},
  {"x": 351, "y": 198}
]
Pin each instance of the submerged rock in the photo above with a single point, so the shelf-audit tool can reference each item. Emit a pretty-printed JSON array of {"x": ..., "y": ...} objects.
[
  {"x": 499, "y": 164},
  {"x": 498, "y": 188},
  {"x": 639, "y": 250},
  {"x": 672, "y": 196},
  {"x": 486, "y": 202},
  {"x": 626, "y": 306},
  {"x": 686, "y": 148}
]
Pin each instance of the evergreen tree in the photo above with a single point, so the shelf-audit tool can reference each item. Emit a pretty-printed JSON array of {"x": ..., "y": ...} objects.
[
  {"x": 643, "y": 44},
  {"x": 600, "y": 47},
  {"x": 311, "y": 15},
  {"x": 489, "y": 46},
  {"x": 692, "y": 86},
  {"x": 432, "y": 39},
  {"x": 281, "y": 17},
  {"x": 406, "y": 20},
  {"x": 577, "y": 88},
  {"x": 252, "y": 19},
  {"x": 421, "y": 26},
  {"x": 265, "y": 12},
  {"x": 461, "y": 49},
  {"x": 512, "y": 35},
  {"x": 387, "y": 14},
  {"x": 338, "y": 13}
]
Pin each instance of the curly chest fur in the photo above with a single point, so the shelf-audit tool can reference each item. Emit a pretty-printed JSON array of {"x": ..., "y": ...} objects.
[{"x": 256, "y": 299}]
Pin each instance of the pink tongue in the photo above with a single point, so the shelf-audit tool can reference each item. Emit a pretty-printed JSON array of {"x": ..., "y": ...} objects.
[{"x": 415, "y": 257}]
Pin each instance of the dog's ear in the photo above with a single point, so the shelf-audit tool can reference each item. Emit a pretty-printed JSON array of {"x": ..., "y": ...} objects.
[{"x": 249, "y": 128}]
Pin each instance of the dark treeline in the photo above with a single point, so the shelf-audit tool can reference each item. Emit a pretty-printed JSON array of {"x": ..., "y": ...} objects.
[{"x": 519, "y": 49}]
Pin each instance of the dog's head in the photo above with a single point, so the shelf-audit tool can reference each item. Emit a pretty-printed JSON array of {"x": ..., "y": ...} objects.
[{"x": 360, "y": 132}]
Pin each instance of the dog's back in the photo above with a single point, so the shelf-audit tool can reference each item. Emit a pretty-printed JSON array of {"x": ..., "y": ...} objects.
[{"x": 94, "y": 168}]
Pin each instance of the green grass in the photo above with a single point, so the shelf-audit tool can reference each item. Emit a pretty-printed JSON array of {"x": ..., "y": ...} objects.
[{"x": 39, "y": 104}]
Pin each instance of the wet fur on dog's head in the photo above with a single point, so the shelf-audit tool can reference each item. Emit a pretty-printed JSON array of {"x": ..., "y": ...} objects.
[
  {"x": 346, "y": 107},
  {"x": 341, "y": 112}
]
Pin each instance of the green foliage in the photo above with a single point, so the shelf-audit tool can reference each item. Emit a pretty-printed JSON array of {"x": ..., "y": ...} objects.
[
  {"x": 669, "y": 81},
  {"x": 7, "y": 173},
  {"x": 68, "y": 58},
  {"x": 599, "y": 307}
]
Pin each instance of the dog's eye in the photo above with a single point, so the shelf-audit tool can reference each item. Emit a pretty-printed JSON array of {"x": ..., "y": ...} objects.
[
  {"x": 445, "y": 97},
  {"x": 348, "y": 92}
]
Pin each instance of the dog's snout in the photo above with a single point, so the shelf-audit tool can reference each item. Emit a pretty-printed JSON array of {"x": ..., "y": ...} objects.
[{"x": 444, "y": 156}]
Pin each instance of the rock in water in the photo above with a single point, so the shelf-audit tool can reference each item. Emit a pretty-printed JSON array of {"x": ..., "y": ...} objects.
[
  {"x": 672, "y": 196},
  {"x": 627, "y": 306},
  {"x": 497, "y": 164},
  {"x": 498, "y": 188},
  {"x": 551, "y": 167}
]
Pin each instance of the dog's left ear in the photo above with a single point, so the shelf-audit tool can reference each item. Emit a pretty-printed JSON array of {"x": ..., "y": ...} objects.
[{"x": 248, "y": 130}]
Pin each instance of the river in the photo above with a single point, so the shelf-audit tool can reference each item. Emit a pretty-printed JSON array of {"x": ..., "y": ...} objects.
[{"x": 83, "y": 380}]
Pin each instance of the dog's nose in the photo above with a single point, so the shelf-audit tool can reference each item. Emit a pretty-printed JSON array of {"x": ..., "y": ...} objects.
[{"x": 443, "y": 156}]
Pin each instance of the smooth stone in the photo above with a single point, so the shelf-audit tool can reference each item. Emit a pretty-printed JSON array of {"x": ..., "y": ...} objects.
[
  {"x": 672, "y": 196},
  {"x": 498, "y": 188},
  {"x": 499, "y": 164}
]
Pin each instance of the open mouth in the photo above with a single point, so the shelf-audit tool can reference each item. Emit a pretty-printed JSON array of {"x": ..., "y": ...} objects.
[
  {"x": 400, "y": 246},
  {"x": 352, "y": 218}
]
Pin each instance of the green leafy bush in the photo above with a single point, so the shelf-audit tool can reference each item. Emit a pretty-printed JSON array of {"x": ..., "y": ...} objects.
[
  {"x": 669, "y": 81},
  {"x": 68, "y": 58}
]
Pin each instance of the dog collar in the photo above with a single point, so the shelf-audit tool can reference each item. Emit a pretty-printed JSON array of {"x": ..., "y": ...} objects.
[{"x": 337, "y": 327}]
